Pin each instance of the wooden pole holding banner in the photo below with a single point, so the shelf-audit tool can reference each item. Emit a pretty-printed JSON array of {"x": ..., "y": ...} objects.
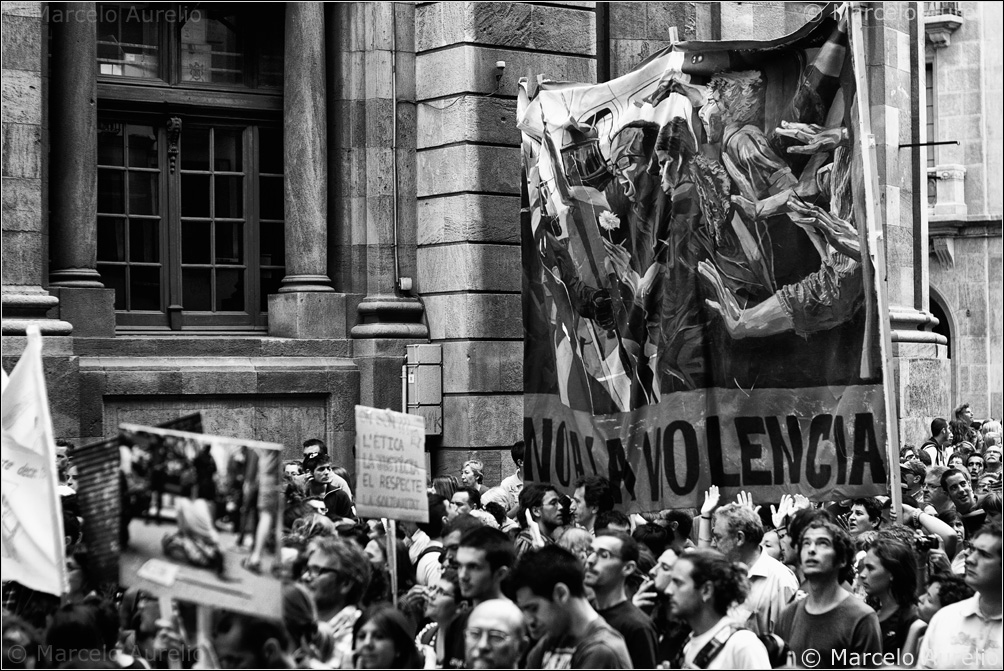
[
  {"x": 169, "y": 619},
  {"x": 204, "y": 637},
  {"x": 876, "y": 243},
  {"x": 391, "y": 526}
]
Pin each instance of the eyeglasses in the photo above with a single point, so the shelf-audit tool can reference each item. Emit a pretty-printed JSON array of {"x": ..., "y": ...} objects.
[
  {"x": 495, "y": 637},
  {"x": 604, "y": 553},
  {"x": 318, "y": 571}
]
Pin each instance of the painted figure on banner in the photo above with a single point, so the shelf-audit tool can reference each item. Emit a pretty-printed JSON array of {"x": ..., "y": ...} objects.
[{"x": 694, "y": 227}]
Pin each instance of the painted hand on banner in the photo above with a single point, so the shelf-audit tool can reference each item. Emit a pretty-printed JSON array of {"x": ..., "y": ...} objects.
[
  {"x": 838, "y": 232},
  {"x": 815, "y": 138},
  {"x": 618, "y": 262},
  {"x": 711, "y": 499},
  {"x": 727, "y": 306}
]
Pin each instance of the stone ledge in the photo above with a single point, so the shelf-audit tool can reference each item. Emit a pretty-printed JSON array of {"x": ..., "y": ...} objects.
[{"x": 184, "y": 346}]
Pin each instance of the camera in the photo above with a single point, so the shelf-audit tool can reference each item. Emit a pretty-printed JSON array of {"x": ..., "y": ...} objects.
[{"x": 926, "y": 543}]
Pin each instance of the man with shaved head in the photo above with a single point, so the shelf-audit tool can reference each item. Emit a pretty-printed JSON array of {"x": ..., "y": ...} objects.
[{"x": 495, "y": 636}]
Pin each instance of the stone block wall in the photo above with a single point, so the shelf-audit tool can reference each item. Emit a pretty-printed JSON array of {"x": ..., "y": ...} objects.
[
  {"x": 970, "y": 290},
  {"x": 469, "y": 271},
  {"x": 967, "y": 91},
  {"x": 24, "y": 150}
]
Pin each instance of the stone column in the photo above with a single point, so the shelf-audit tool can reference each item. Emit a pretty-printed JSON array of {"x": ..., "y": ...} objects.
[
  {"x": 381, "y": 48},
  {"x": 306, "y": 305},
  {"x": 894, "y": 48},
  {"x": 73, "y": 205},
  {"x": 25, "y": 249}
]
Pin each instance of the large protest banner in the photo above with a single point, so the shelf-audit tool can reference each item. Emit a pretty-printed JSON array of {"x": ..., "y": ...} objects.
[
  {"x": 32, "y": 549},
  {"x": 390, "y": 465},
  {"x": 700, "y": 295}
]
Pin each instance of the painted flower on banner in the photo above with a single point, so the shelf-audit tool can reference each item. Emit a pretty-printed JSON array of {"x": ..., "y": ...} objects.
[{"x": 609, "y": 221}]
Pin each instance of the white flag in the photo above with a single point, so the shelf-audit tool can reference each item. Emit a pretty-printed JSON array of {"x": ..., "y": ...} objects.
[{"x": 33, "y": 552}]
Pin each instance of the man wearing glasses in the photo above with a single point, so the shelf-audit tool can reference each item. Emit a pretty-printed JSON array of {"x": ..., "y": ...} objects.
[
  {"x": 495, "y": 637},
  {"x": 337, "y": 575},
  {"x": 613, "y": 558},
  {"x": 543, "y": 502}
]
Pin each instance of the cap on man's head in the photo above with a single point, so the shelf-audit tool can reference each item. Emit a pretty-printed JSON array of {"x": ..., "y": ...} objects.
[{"x": 914, "y": 467}]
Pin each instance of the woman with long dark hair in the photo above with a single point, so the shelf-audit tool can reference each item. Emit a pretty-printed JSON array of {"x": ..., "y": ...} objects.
[
  {"x": 384, "y": 639},
  {"x": 888, "y": 575}
]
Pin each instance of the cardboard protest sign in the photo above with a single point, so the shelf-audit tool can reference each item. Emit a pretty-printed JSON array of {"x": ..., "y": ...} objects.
[
  {"x": 701, "y": 301},
  {"x": 208, "y": 532},
  {"x": 390, "y": 465}
]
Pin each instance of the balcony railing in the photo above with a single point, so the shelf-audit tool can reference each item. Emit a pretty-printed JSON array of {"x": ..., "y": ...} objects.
[{"x": 942, "y": 9}]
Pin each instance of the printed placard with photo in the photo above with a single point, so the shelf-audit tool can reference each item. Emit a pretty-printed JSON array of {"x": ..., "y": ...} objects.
[{"x": 207, "y": 531}]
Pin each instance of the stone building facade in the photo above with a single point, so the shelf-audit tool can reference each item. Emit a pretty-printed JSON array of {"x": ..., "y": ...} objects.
[{"x": 256, "y": 222}]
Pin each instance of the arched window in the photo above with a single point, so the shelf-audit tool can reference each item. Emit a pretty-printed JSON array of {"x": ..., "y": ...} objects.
[{"x": 190, "y": 163}]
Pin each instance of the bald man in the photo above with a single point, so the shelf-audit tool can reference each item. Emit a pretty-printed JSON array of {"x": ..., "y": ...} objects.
[{"x": 496, "y": 636}]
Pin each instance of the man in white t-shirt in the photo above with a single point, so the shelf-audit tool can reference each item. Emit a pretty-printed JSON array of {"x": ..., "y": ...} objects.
[
  {"x": 513, "y": 484},
  {"x": 702, "y": 587}
]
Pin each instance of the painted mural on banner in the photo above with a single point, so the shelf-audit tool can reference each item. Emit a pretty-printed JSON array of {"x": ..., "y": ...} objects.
[{"x": 700, "y": 302}]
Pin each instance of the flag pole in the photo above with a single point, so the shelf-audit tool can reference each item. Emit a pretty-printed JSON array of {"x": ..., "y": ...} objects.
[{"x": 873, "y": 226}]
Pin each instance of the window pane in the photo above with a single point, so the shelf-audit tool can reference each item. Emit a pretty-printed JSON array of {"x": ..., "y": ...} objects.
[
  {"x": 127, "y": 42},
  {"x": 111, "y": 239},
  {"x": 144, "y": 283},
  {"x": 229, "y": 197},
  {"x": 196, "y": 289},
  {"x": 113, "y": 277},
  {"x": 143, "y": 192},
  {"x": 111, "y": 191},
  {"x": 229, "y": 242},
  {"x": 194, "y": 195},
  {"x": 269, "y": 43},
  {"x": 195, "y": 149},
  {"x": 142, "y": 147},
  {"x": 228, "y": 151},
  {"x": 230, "y": 289},
  {"x": 211, "y": 49},
  {"x": 272, "y": 243},
  {"x": 270, "y": 197},
  {"x": 270, "y": 150},
  {"x": 195, "y": 242},
  {"x": 270, "y": 281},
  {"x": 144, "y": 241},
  {"x": 110, "y": 144}
]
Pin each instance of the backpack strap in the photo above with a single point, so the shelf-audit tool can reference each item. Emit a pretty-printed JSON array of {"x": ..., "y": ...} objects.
[
  {"x": 715, "y": 645},
  {"x": 438, "y": 549}
]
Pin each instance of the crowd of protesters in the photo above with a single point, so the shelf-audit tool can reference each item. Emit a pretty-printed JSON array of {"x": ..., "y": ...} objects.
[{"x": 531, "y": 576}]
